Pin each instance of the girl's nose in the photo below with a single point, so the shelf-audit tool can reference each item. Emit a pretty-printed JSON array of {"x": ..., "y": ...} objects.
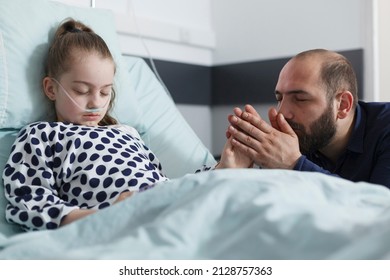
[
  {"x": 95, "y": 101},
  {"x": 98, "y": 101}
]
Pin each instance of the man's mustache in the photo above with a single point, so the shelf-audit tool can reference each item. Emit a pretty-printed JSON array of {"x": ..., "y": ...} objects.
[{"x": 295, "y": 126}]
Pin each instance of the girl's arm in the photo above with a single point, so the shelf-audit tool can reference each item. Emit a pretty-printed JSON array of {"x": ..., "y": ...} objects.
[
  {"x": 75, "y": 215},
  {"x": 30, "y": 181}
]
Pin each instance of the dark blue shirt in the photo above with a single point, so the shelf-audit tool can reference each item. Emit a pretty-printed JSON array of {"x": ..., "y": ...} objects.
[{"x": 367, "y": 156}]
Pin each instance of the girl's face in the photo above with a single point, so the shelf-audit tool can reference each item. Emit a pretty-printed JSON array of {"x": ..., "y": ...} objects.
[{"x": 88, "y": 83}]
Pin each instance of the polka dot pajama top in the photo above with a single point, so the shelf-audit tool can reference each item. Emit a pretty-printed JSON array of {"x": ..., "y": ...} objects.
[{"x": 55, "y": 168}]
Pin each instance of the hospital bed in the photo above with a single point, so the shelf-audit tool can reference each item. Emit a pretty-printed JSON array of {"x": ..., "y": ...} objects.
[{"x": 223, "y": 214}]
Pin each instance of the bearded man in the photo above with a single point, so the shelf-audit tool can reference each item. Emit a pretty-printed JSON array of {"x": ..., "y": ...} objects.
[{"x": 319, "y": 124}]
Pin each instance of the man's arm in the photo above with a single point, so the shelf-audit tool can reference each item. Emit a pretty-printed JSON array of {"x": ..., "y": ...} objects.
[
  {"x": 305, "y": 164},
  {"x": 380, "y": 172}
]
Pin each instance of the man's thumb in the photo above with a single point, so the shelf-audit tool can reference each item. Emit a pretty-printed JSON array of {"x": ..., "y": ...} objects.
[{"x": 284, "y": 125}]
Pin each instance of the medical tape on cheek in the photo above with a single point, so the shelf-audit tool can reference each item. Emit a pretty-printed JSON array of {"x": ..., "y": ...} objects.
[{"x": 91, "y": 110}]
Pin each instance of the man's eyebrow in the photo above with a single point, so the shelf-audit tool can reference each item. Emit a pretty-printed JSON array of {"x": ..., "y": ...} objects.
[{"x": 296, "y": 91}]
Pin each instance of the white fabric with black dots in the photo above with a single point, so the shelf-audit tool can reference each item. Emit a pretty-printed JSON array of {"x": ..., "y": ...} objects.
[{"x": 55, "y": 168}]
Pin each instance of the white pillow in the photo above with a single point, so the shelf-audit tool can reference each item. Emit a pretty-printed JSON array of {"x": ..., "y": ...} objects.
[{"x": 26, "y": 29}]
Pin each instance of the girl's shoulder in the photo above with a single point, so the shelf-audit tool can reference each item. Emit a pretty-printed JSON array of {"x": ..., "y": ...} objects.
[
  {"x": 30, "y": 129},
  {"x": 42, "y": 125},
  {"x": 45, "y": 128}
]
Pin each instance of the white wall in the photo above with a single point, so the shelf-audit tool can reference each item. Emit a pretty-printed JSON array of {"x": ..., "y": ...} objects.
[
  {"x": 261, "y": 29},
  {"x": 382, "y": 23},
  {"x": 172, "y": 30}
]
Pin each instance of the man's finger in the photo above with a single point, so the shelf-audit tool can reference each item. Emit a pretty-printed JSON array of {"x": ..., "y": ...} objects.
[
  {"x": 272, "y": 116},
  {"x": 237, "y": 111},
  {"x": 284, "y": 125},
  {"x": 250, "y": 109},
  {"x": 256, "y": 121}
]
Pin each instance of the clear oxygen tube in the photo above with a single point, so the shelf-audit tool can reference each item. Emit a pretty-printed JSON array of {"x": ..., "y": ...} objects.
[{"x": 87, "y": 110}]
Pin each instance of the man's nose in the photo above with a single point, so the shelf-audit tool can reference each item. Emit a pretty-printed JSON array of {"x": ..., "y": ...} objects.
[{"x": 285, "y": 109}]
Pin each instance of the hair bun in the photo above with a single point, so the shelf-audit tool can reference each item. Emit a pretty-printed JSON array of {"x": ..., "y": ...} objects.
[
  {"x": 72, "y": 26},
  {"x": 74, "y": 30}
]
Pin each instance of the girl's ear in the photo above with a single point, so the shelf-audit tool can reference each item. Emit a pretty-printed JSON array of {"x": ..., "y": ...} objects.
[
  {"x": 48, "y": 88},
  {"x": 344, "y": 104}
]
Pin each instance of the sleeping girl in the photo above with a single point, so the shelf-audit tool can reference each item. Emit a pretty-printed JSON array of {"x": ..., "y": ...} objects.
[{"x": 61, "y": 171}]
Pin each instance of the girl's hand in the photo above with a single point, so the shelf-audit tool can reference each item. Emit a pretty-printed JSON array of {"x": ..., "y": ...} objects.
[{"x": 123, "y": 196}]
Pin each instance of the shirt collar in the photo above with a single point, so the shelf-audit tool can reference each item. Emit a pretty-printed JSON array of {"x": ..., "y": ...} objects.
[{"x": 357, "y": 139}]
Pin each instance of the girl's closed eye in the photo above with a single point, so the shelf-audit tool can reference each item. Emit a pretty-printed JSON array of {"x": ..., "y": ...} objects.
[
  {"x": 80, "y": 91},
  {"x": 106, "y": 91}
]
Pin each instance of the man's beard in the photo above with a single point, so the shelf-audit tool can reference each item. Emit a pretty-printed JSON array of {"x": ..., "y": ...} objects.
[{"x": 321, "y": 132}]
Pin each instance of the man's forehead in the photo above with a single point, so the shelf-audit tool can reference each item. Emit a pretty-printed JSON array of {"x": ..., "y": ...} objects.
[
  {"x": 308, "y": 63},
  {"x": 300, "y": 76},
  {"x": 299, "y": 71}
]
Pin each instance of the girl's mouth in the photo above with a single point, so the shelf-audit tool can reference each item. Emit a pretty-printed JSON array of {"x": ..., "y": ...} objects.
[{"x": 91, "y": 116}]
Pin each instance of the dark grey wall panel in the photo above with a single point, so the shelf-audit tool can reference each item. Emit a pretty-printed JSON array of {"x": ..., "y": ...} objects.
[
  {"x": 356, "y": 58},
  {"x": 251, "y": 82},
  {"x": 187, "y": 83},
  {"x": 254, "y": 82},
  {"x": 231, "y": 84}
]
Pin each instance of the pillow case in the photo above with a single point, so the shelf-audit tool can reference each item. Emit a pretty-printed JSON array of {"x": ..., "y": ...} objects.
[
  {"x": 7, "y": 138},
  {"x": 163, "y": 128},
  {"x": 26, "y": 29}
]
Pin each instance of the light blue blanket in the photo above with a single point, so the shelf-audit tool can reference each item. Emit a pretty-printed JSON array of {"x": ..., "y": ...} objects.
[{"x": 227, "y": 214}]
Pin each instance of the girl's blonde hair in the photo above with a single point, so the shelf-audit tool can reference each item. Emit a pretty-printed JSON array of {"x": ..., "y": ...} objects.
[{"x": 72, "y": 36}]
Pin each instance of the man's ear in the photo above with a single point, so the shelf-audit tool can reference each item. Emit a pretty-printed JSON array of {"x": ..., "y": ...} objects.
[
  {"x": 344, "y": 104},
  {"x": 48, "y": 88}
]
